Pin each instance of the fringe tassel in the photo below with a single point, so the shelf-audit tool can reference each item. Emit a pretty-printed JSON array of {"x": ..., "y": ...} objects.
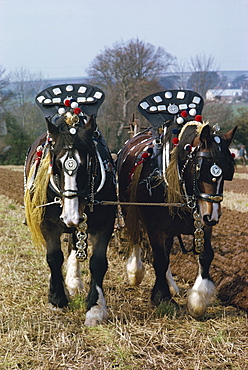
[
  {"x": 36, "y": 196},
  {"x": 174, "y": 194}
]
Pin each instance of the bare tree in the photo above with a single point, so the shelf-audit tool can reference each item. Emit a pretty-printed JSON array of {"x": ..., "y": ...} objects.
[
  {"x": 180, "y": 68},
  {"x": 124, "y": 72},
  {"x": 25, "y": 86},
  {"x": 204, "y": 74},
  {"x": 4, "y": 96}
]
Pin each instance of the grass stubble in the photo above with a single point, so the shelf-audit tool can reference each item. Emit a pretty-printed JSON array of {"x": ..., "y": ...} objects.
[{"x": 136, "y": 336}]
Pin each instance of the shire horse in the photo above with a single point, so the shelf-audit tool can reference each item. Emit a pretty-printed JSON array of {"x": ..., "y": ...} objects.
[
  {"x": 69, "y": 171},
  {"x": 173, "y": 175}
]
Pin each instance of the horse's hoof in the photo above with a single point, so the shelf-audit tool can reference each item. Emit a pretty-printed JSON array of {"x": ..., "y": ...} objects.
[
  {"x": 199, "y": 297},
  {"x": 167, "y": 308},
  {"x": 196, "y": 305},
  {"x": 96, "y": 316},
  {"x": 92, "y": 322},
  {"x": 158, "y": 298}
]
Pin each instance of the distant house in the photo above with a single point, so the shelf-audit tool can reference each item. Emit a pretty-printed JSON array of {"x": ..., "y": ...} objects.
[{"x": 224, "y": 94}]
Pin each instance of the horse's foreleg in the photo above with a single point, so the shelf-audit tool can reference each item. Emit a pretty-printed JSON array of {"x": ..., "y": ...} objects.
[
  {"x": 161, "y": 248},
  {"x": 96, "y": 305},
  {"x": 135, "y": 268},
  {"x": 73, "y": 278},
  {"x": 57, "y": 295},
  {"x": 203, "y": 289}
]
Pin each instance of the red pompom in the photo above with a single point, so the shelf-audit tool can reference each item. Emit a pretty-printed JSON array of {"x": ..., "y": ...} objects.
[
  {"x": 184, "y": 114},
  {"x": 39, "y": 153},
  {"x": 175, "y": 141},
  {"x": 77, "y": 110},
  {"x": 198, "y": 118},
  {"x": 145, "y": 155},
  {"x": 67, "y": 103},
  {"x": 233, "y": 155}
]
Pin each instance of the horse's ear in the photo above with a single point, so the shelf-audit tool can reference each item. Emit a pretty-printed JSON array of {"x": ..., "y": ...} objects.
[
  {"x": 230, "y": 135},
  {"x": 51, "y": 128},
  {"x": 205, "y": 133},
  {"x": 91, "y": 124}
]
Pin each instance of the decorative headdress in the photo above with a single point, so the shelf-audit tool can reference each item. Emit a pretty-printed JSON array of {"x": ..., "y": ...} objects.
[
  {"x": 165, "y": 106},
  {"x": 70, "y": 100}
]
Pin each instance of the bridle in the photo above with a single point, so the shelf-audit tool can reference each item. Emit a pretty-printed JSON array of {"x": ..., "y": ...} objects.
[
  {"x": 70, "y": 167},
  {"x": 196, "y": 158},
  {"x": 94, "y": 166}
]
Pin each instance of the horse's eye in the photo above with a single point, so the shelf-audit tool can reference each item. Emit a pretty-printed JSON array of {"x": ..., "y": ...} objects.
[{"x": 58, "y": 163}]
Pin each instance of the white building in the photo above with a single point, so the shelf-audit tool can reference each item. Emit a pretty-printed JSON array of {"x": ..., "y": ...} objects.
[{"x": 224, "y": 94}]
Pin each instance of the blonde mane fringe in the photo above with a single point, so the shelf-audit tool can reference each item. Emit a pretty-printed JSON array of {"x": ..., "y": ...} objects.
[
  {"x": 37, "y": 196},
  {"x": 174, "y": 194},
  {"x": 199, "y": 127}
]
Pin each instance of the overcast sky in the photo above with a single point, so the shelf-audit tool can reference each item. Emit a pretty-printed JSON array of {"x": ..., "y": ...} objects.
[{"x": 60, "y": 38}]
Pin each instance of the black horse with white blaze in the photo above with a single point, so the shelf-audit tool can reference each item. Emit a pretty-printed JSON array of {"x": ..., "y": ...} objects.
[
  {"x": 174, "y": 174},
  {"x": 69, "y": 171}
]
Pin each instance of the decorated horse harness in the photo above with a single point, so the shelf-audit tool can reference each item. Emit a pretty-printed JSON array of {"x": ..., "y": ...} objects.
[
  {"x": 73, "y": 103},
  {"x": 170, "y": 112}
]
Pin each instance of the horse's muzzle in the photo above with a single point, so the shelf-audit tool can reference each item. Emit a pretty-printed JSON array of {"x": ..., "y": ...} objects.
[
  {"x": 70, "y": 223},
  {"x": 210, "y": 212},
  {"x": 208, "y": 221}
]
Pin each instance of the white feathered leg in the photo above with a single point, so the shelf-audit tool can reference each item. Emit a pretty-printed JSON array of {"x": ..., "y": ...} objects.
[
  {"x": 171, "y": 282},
  {"x": 73, "y": 278},
  {"x": 200, "y": 296},
  {"x": 135, "y": 268},
  {"x": 98, "y": 313}
]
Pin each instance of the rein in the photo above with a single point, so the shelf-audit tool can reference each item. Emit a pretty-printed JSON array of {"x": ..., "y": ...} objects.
[{"x": 117, "y": 203}]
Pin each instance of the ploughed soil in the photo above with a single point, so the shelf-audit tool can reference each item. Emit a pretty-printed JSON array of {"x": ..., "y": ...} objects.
[{"x": 229, "y": 268}]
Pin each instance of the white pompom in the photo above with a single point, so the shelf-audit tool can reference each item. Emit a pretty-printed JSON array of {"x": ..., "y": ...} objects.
[
  {"x": 192, "y": 112},
  {"x": 61, "y": 111},
  {"x": 180, "y": 120},
  {"x": 74, "y": 104}
]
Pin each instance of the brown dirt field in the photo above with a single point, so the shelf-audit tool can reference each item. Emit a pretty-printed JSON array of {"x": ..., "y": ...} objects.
[{"x": 230, "y": 241}]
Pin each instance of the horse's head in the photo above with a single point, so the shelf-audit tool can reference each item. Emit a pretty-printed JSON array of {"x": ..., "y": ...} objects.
[
  {"x": 205, "y": 168},
  {"x": 74, "y": 159}
]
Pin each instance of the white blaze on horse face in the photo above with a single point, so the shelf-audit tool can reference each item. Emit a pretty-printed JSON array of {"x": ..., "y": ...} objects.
[
  {"x": 70, "y": 214},
  {"x": 212, "y": 210},
  {"x": 216, "y": 209}
]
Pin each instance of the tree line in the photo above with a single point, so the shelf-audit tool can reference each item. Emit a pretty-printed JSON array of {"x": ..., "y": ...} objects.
[{"x": 127, "y": 72}]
